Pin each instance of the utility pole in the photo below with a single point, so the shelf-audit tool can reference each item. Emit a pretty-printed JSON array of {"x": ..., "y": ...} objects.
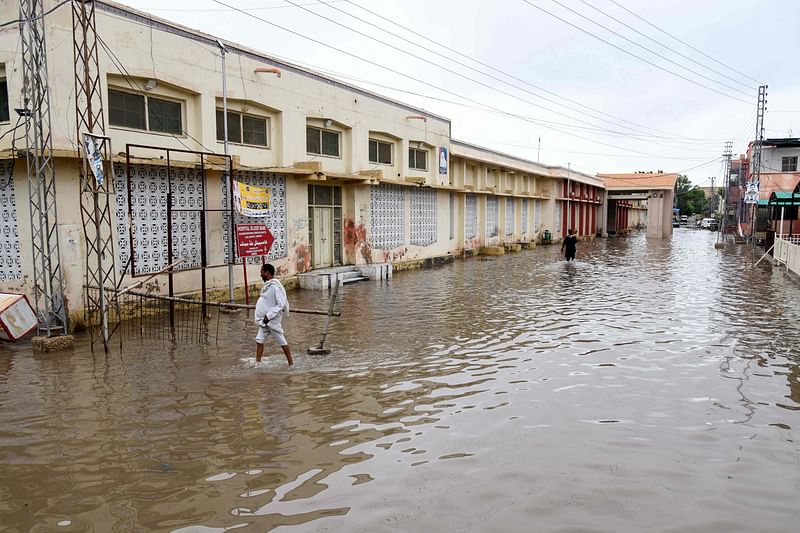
[
  {"x": 751, "y": 196},
  {"x": 726, "y": 172},
  {"x": 713, "y": 199},
  {"x": 48, "y": 283},
  {"x": 96, "y": 195},
  {"x": 231, "y": 229}
]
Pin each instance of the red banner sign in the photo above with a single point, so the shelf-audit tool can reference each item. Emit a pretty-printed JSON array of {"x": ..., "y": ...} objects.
[{"x": 253, "y": 240}]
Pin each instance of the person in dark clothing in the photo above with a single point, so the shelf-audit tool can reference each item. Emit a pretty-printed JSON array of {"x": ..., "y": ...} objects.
[{"x": 568, "y": 245}]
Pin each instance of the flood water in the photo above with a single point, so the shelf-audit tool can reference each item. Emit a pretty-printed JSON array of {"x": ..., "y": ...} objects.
[{"x": 650, "y": 386}]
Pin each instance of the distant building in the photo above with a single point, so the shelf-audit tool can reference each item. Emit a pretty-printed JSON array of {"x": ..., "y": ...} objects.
[
  {"x": 639, "y": 200},
  {"x": 780, "y": 173}
]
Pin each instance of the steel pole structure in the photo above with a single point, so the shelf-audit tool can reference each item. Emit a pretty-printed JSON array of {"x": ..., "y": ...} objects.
[
  {"x": 756, "y": 159},
  {"x": 231, "y": 230},
  {"x": 96, "y": 196},
  {"x": 48, "y": 284}
]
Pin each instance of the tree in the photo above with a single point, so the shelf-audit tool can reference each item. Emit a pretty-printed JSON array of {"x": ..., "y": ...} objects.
[{"x": 690, "y": 199}]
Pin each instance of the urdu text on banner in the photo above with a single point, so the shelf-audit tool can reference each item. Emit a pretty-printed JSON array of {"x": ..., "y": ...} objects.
[{"x": 251, "y": 200}]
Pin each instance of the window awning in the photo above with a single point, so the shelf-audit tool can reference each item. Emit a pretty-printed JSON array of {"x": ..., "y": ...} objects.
[{"x": 785, "y": 199}]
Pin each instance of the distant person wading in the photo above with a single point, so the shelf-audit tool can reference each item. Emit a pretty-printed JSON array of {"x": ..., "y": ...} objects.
[{"x": 569, "y": 244}]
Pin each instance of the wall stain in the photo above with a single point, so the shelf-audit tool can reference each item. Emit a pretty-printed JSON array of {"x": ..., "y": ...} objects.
[
  {"x": 302, "y": 257},
  {"x": 355, "y": 240}
]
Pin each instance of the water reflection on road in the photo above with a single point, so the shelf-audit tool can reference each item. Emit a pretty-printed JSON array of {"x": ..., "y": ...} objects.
[{"x": 648, "y": 386}]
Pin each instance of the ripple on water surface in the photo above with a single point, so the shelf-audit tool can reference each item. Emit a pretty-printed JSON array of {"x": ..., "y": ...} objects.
[{"x": 649, "y": 386}]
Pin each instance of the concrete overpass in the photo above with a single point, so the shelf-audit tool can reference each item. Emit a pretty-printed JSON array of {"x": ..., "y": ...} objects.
[{"x": 653, "y": 194}]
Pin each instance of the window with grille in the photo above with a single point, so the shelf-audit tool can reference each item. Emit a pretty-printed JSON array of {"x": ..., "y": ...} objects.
[
  {"x": 323, "y": 142},
  {"x": 4, "y": 114},
  {"x": 417, "y": 159},
  {"x": 789, "y": 164},
  {"x": 142, "y": 112},
  {"x": 242, "y": 129},
  {"x": 380, "y": 152}
]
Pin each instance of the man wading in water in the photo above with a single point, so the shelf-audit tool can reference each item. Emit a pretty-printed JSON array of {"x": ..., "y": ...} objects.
[
  {"x": 569, "y": 244},
  {"x": 270, "y": 308}
]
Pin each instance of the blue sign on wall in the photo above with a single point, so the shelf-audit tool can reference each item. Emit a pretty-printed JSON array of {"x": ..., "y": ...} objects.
[{"x": 443, "y": 160}]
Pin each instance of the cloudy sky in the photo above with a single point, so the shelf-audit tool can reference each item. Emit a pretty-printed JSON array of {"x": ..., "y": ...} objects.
[{"x": 601, "y": 85}]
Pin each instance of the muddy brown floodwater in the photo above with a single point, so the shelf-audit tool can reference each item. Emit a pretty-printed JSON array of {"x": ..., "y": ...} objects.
[{"x": 650, "y": 386}]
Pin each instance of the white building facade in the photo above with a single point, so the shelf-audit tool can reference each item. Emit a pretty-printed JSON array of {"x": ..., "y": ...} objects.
[{"x": 354, "y": 178}]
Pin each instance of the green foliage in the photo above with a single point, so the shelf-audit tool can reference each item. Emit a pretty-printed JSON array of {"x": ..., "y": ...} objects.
[{"x": 690, "y": 199}]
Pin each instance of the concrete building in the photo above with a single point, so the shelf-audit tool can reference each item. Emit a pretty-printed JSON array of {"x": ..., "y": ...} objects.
[
  {"x": 639, "y": 200},
  {"x": 355, "y": 178},
  {"x": 780, "y": 173}
]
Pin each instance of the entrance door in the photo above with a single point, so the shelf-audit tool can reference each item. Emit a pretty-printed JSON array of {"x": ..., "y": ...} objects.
[{"x": 322, "y": 248}]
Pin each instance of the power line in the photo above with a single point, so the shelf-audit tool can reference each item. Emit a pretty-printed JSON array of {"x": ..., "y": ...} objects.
[
  {"x": 462, "y": 75},
  {"x": 127, "y": 76},
  {"x": 493, "y": 141},
  {"x": 683, "y": 42},
  {"x": 262, "y": 8},
  {"x": 446, "y": 69},
  {"x": 481, "y": 107},
  {"x": 405, "y": 28},
  {"x": 665, "y": 58},
  {"x": 667, "y": 47},
  {"x": 422, "y": 81},
  {"x": 394, "y": 71},
  {"x": 20, "y": 21},
  {"x": 634, "y": 55}
]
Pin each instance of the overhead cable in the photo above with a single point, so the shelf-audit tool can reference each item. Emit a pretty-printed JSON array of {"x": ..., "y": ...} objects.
[
  {"x": 684, "y": 42},
  {"x": 640, "y": 58},
  {"x": 394, "y": 71},
  {"x": 486, "y": 65}
]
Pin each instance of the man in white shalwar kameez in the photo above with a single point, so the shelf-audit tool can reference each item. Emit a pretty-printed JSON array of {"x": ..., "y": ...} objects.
[{"x": 271, "y": 306}]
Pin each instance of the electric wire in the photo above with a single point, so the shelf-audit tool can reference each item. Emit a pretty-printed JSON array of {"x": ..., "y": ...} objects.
[
  {"x": 616, "y": 120},
  {"x": 128, "y": 78},
  {"x": 491, "y": 87},
  {"x": 650, "y": 50},
  {"x": 667, "y": 47},
  {"x": 262, "y": 8},
  {"x": 683, "y": 42},
  {"x": 418, "y": 80},
  {"x": 481, "y": 107},
  {"x": 449, "y": 70},
  {"x": 20, "y": 21},
  {"x": 587, "y": 32}
]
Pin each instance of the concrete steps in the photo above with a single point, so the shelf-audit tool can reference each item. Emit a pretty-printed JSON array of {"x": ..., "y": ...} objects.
[
  {"x": 352, "y": 276},
  {"x": 325, "y": 278}
]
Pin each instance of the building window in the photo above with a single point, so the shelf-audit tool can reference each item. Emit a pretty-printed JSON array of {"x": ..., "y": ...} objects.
[
  {"x": 164, "y": 116},
  {"x": 322, "y": 142},
  {"x": 417, "y": 159},
  {"x": 380, "y": 152},
  {"x": 242, "y": 129},
  {"x": 144, "y": 112},
  {"x": 4, "y": 116},
  {"x": 789, "y": 164}
]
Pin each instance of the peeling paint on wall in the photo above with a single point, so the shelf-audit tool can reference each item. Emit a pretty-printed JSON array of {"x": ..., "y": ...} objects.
[
  {"x": 355, "y": 240},
  {"x": 473, "y": 243},
  {"x": 301, "y": 256},
  {"x": 397, "y": 254}
]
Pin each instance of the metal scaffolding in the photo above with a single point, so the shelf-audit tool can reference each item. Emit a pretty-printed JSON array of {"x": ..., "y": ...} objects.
[
  {"x": 97, "y": 194},
  {"x": 755, "y": 168},
  {"x": 47, "y": 277}
]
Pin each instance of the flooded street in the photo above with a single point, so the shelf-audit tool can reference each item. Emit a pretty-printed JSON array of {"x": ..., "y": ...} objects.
[{"x": 650, "y": 386}]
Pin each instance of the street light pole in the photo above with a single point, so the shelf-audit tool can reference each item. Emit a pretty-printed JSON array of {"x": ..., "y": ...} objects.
[{"x": 229, "y": 186}]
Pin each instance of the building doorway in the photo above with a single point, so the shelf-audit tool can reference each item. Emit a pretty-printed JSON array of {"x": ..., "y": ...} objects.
[{"x": 325, "y": 225}]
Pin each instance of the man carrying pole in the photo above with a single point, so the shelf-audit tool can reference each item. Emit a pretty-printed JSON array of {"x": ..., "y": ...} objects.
[{"x": 271, "y": 306}]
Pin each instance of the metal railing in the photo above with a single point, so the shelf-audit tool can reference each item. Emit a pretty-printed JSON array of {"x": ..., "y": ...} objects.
[{"x": 787, "y": 252}]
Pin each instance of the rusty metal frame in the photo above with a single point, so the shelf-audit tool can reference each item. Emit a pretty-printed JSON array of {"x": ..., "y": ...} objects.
[{"x": 203, "y": 156}]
